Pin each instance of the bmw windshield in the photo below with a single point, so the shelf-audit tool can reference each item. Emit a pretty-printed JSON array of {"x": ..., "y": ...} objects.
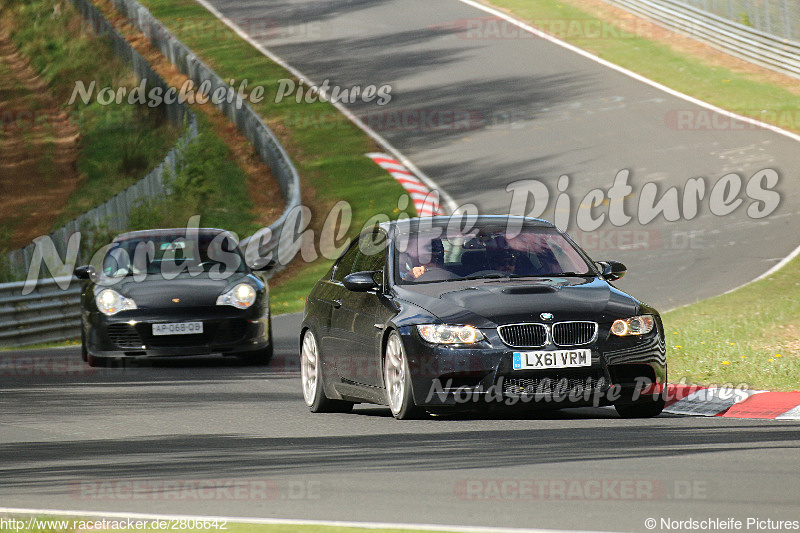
[{"x": 435, "y": 255}]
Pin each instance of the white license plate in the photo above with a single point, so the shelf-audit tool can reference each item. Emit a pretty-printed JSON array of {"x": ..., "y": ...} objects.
[
  {"x": 178, "y": 328},
  {"x": 553, "y": 359}
]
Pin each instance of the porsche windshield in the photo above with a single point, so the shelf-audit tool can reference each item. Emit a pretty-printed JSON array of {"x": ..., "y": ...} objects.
[
  {"x": 171, "y": 254},
  {"x": 433, "y": 255}
]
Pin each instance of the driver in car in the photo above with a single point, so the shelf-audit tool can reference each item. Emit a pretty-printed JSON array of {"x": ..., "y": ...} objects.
[
  {"x": 504, "y": 261},
  {"x": 436, "y": 261}
]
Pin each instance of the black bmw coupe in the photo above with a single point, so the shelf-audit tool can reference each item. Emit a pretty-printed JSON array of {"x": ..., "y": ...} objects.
[
  {"x": 434, "y": 314},
  {"x": 174, "y": 292}
]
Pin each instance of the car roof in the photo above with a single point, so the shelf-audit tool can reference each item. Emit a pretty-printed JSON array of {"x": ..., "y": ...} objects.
[
  {"x": 442, "y": 221},
  {"x": 175, "y": 233}
]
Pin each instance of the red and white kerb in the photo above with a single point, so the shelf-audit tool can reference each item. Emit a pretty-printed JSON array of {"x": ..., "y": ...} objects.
[{"x": 425, "y": 200}]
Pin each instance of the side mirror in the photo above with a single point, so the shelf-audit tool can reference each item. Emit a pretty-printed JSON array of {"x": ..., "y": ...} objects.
[
  {"x": 360, "y": 281},
  {"x": 85, "y": 272},
  {"x": 263, "y": 265},
  {"x": 613, "y": 270}
]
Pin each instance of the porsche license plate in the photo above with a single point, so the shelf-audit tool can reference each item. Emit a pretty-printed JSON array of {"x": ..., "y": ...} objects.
[
  {"x": 178, "y": 328},
  {"x": 553, "y": 359}
]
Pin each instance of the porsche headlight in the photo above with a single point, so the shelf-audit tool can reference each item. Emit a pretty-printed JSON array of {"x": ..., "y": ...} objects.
[
  {"x": 637, "y": 325},
  {"x": 110, "y": 302},
  {"x": 241, "y": 296},
  {"x": 445, "y": 334}
]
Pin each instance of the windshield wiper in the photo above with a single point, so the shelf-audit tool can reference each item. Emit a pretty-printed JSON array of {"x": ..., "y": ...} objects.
[
  {"x": 576, "y": 274},
  {"x": 482, "y": 276}
]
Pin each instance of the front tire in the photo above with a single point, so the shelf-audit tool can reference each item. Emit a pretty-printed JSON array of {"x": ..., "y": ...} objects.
[
  {"x": 311, "y": 379},
  {"x": 643, "y": 408},
  {"x": 397, "y": 380},
  {"x": 96, "y": 362},
  {"x": 263, "y": 356},
  {"x": 84, "y": 350}
]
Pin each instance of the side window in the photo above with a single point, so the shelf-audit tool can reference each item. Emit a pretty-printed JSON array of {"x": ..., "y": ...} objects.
[
  {"x": 345, "y": 263},
  {"x": 371, "y": 253}
]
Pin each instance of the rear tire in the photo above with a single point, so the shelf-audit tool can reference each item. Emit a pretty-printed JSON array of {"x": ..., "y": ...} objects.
[
  {"x": 397, "y": 380},
  {"x": 311, "y": 379},
  {"x": 643, "y": 408}
]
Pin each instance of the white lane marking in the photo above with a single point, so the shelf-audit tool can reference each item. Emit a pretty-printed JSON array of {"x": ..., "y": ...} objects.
[
  {"x": 278, "y": 521},
  {"x": 660, "y": 87},
  {"x": 629, "y": 73},
  {"x": 446, "y": 198}
]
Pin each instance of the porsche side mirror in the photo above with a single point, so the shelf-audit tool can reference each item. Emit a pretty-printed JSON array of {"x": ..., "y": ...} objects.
[
  {"x": 613, "y": 270},
  {"x": 85, "y": 272},
  {"x": 264, "y": 265},
  {"x": 360, "y": 281}
]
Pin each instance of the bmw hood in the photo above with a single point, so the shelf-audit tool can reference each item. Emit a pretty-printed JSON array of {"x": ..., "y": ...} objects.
[{"x": 489, "y": 303}]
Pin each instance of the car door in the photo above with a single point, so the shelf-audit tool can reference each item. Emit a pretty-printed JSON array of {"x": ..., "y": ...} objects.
[
  {"x": 371, "y": 311},
  {"x": 358, "y": 322},
  {"x": 333, "y": 329}
]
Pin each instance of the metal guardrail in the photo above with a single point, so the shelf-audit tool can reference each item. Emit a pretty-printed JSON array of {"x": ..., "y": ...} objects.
[
  {"x": 776, "y": 17},
  {"x": 776, "y": 53},
  {"x": 50, "y": 313},
  {"x": 47, "y": 314}
]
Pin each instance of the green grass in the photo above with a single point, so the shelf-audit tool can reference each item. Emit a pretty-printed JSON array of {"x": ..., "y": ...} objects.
[
  {"x": 44, "y": 345},
  {"x": 208, "y": 169},
  {"x": 739, "y": 92},
  {"x": 119, "y": 144},
  {"x": 331, "y": 162},
  {"x": 751, "y": 335}
]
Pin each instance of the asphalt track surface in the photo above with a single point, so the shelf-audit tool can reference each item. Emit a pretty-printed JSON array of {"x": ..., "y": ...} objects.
[
  {"x": 539, "y": 111},
  {"x": 76, "y": 438}
]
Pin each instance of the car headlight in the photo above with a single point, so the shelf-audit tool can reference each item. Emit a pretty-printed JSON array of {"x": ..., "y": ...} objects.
[
  {"x": 110, "y": 302},
  {"x": 444, "y": 334},
  {"x": 241, "y": 296},
  {"x": 637, "y": 325}
]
